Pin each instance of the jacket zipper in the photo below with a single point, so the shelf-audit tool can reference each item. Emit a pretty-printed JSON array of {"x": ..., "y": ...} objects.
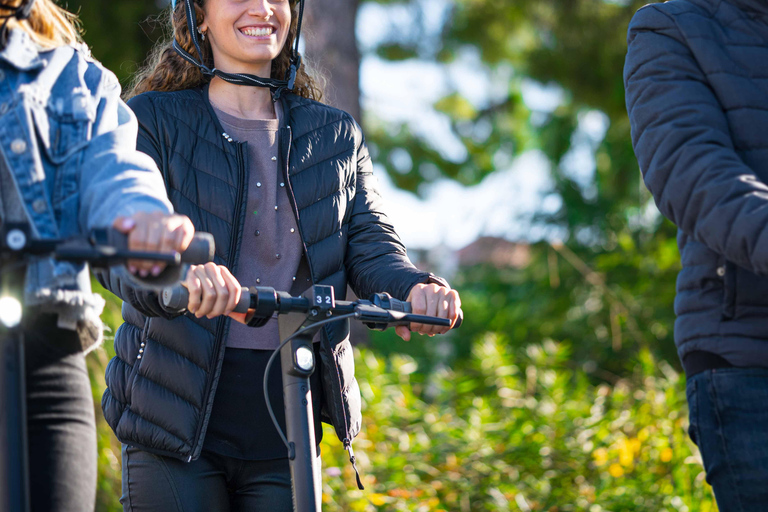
[
  {"x": 286, "y": 164},
  {"x": 230, "y": 264}
]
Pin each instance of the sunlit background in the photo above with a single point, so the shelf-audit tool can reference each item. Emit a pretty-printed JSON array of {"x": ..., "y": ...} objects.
[{"x": 502, "y": 146}]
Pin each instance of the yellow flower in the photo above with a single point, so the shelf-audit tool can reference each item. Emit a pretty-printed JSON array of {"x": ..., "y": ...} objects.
[
  {"x": 601, "y": 456},
  {"x": 616, "y": 470},
  {"x": 627, "y": 451},
  {"x": 666, "y": 454},
  {"x": 378, "y": 499}
]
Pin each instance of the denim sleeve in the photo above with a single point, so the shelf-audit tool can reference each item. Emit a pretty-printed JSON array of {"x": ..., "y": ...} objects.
[
  {"x": 116, "y": 179},
  {"x": 684, "y": 147},
  {"x": 376, "y": 259}
]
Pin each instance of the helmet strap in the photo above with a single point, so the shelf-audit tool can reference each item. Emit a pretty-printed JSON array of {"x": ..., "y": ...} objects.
[{"x": 277, "y": 86}]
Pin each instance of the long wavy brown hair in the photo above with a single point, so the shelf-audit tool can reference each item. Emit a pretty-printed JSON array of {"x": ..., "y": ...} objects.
[
  {"x": 167, "y": 71},
  {"x": 48, "y": 24}
]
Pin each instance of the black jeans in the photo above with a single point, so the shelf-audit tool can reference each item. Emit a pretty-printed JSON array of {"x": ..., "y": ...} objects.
[
  {"x": 60, "y": 420},
  {"x": 212, "y": 483}
]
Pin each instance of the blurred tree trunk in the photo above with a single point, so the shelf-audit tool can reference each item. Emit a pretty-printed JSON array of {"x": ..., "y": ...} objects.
[{"x": 331, "y": 48}]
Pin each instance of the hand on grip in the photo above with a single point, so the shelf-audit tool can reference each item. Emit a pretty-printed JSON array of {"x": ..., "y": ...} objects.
[
  {"x": 209, "y": 290},
  {"x": 154, "y": 232},
  {"x": 432, "y": 300},
  {"x": 176, "y": 298}
]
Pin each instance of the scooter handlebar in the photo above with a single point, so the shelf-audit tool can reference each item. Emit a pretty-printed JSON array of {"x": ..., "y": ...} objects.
[
  {"x": 176, "y": 298},
  {"x": 199, "y": 251}
]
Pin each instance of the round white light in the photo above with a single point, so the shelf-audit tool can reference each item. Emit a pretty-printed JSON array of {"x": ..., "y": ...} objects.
[
  {"x": 16, "y": 239},
  {"x": 305, "y": 358},
  {"x": 10, "y": 312}
]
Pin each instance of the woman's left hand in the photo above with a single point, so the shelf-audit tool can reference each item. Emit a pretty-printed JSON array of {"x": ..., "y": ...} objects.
[{"x": 431, "y": 300}]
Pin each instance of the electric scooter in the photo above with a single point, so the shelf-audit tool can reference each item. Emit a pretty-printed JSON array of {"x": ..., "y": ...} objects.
[{"x": 300, "y": 318}]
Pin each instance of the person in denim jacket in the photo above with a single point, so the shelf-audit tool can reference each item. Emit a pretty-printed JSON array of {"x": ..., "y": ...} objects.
[{"x": 68, "y": 164}]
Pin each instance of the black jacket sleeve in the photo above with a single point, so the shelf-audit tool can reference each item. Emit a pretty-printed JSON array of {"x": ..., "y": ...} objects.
[
  {"x": 683, "y": 144},
  {"x": 145, "y": 301},
  {"x": 376, "y": 259}
]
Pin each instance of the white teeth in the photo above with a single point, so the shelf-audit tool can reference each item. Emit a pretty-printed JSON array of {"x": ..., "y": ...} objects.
[{"x": 257, "y": 31}]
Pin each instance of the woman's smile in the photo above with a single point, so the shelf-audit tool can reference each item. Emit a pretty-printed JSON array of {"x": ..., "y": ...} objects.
[{"x": 262, "y": 32}]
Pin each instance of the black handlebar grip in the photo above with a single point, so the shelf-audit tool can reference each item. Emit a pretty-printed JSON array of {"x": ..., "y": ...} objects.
[
  {"x": 176, "y": 298},
  {"x": 408, "y": 308},
  {"x": 200, "y": 249},
  {"x": 458, "y": 320}
]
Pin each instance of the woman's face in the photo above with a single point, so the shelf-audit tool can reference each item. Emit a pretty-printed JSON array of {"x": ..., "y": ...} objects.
[{"x": 246, "y": 35}]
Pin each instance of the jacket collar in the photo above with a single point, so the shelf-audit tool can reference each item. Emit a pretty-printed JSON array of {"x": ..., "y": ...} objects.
[{"x": 21, "y": 52}]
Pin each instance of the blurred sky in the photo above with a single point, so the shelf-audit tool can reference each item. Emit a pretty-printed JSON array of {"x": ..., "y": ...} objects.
[{"x": 397, "y": 92}]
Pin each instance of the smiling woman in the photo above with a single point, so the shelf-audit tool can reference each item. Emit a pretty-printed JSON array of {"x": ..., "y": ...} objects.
[
  {"x": 285, "y": 184},
  {"x": 168, "y": 70}
]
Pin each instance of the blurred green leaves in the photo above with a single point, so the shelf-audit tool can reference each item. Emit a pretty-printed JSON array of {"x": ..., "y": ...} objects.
[{"x": 516, "y": 432}]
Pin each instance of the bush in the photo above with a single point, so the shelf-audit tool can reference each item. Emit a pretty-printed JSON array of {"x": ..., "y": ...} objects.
[
  {"x": 518, "y": 434},
  {"x": 505, "y": 430}
]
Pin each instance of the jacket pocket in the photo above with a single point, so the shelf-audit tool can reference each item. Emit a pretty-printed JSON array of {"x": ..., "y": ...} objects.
[
  {"x": 64, "y": 125},
  {"x": 727, "y": 272}
]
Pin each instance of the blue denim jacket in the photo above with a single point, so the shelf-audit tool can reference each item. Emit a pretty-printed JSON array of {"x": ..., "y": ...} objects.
[{"x": 69, "y": 142}]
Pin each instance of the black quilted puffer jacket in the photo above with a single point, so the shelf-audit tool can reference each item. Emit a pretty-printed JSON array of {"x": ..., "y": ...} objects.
[{"x": 162, "y": 383}]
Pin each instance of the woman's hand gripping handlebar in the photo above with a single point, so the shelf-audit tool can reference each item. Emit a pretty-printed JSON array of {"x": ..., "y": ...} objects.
[
  {"x": 101, "y": 248},
  {"x": 157, "y": 232},
  {"x": 261, "y": 302}
]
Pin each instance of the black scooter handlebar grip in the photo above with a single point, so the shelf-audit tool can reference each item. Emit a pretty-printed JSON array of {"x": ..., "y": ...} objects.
[
  {"x": 176, "y": 298},
  {"x": 408, "y": 308},
  {"x": 245, "y": 301},
  {"x": 200, "y": 249}
]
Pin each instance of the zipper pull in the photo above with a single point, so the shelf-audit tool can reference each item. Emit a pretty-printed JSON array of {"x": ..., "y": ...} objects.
[{"x": 348, "y": 447}]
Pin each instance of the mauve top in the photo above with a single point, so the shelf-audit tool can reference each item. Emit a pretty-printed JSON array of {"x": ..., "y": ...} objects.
[
  {"x": 270, "y": 255},
  {"x": 271, "y": 248}
]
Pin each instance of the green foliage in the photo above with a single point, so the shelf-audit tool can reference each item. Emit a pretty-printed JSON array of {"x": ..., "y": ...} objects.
[
  {"x": 109, "y": 480},
  {"x": 120, "y": 33},
  {"x": 512, "y": 432},
  {"x": 510, "y": 426}
]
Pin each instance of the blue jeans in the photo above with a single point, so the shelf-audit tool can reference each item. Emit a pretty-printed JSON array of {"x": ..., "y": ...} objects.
[
  {"x": 729, "y": 423},
  {"x": 212, "y": 483}
]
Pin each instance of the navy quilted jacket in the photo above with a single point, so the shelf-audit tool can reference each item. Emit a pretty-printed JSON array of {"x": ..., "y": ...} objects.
[
  {"x": 162, "y": 383},
  {"x": 696, "y": 79}
]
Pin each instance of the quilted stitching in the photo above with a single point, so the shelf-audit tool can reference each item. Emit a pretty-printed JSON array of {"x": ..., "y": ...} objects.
[{"x": 697, "y": 94}]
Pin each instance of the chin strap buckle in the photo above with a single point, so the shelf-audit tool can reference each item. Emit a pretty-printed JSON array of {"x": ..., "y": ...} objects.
[{"x": 295, "y": 65}]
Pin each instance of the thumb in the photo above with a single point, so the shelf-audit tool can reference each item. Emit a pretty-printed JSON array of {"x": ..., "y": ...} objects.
[{"x": 403, "y": 332}]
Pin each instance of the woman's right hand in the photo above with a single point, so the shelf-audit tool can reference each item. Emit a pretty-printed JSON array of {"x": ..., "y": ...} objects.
[
  {"x": 154, "y": 232},
  {"x": 213, "y": 291}
]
